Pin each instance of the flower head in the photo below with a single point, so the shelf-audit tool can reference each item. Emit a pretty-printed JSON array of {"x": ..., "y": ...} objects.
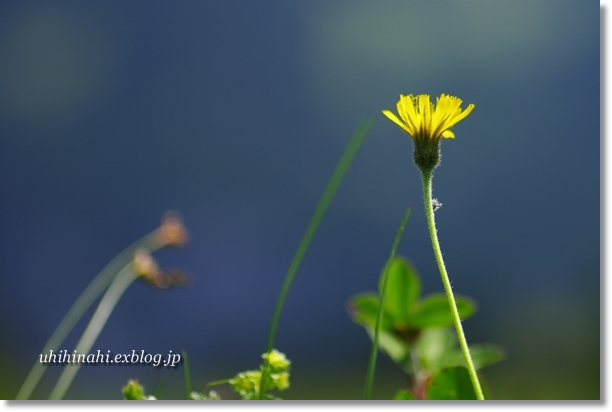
[
  {"x": 144, "y": 265},
  {"x": 422, "y": 120},
  {"x": 172, "y": 232},
  {"x": 246, "y": 383},
  {"x": 277, "y": 360},
  {"x": 280, "y": 380},
  {"x": 426, "y": 123}
]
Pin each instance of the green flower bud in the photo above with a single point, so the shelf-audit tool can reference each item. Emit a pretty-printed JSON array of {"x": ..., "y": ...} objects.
[{"x": 133, "y": 391}]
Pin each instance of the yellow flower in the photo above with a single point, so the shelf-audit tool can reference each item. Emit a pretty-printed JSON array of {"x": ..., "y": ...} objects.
[
  {"x": 426, "y": 123},
  {"x": 281, "y": 380},
  {"x": 246, "y": 382},
  {"x": 277, "y": 360},
  {"x": 422, "y": 120}
]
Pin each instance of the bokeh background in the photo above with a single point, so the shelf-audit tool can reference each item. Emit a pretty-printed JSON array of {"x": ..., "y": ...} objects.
[{"x": 235, "y": 113}]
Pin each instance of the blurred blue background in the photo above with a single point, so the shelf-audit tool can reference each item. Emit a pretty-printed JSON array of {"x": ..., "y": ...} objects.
[{"x": 235, "y": 113}]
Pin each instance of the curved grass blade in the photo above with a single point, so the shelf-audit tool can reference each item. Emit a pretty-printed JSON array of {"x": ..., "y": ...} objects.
[
  {"x": 82, "y": 304},
  {"x": 372, "y": 364},
  {"x": 114, "y": 292},
  {"x": 332, "y": 186}
]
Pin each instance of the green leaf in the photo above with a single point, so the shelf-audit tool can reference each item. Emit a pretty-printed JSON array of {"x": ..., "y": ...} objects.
[
  {"x": 403, "y": 288},
  {"x": 392, "y": 346},
  {"x": 404, "y": 395},
  {"x": 451, "y": 384},
  {"x": 432, "y": 346},
  {"x": 434, "y": 311},
  {"x": 482, "y": 355},
  {"x": 363, "y": 309}
]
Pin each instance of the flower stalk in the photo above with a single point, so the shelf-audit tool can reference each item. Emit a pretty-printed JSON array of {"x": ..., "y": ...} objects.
[{"x": 431, "y": 224}]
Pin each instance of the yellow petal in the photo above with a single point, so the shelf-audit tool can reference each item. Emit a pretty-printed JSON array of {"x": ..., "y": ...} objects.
[
  {"x": 460, "y": 115},
  {"x": 401, "y": 110},
  {"x": 441, "y": 114},
  {"x": 395, "y": 120},
  {"x": 447, "y": 134},
  {"x": 406, "y": 106},
  {"x": 425, "y": 110}
]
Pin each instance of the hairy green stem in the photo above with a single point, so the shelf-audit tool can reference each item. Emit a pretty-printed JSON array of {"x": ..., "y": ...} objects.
[
  {"x": 332, "y": 186},
  {"x": 114, "y": 292},
  {"x": 372, "y": 364},
  {"x": 80, "y": 306},
  {"x": 427, "y": 192}
]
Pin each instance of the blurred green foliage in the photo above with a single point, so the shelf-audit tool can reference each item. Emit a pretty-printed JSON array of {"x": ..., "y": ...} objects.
[{"x": 415, "y": 334}]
